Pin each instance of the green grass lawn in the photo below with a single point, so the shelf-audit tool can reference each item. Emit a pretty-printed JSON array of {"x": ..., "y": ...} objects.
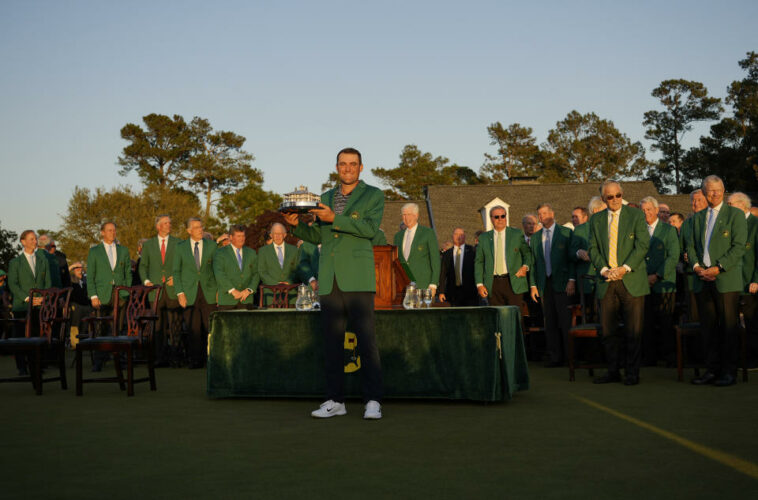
[{"x": 545, "y": 443}]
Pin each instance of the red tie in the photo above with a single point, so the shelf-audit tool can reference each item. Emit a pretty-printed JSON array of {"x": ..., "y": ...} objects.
[{"x": 163, "y": 251}]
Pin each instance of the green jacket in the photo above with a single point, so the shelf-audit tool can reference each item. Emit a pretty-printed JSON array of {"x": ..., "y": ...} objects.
[
  {"x": 271, "y": 273},
  {"x": 153, "y": 269},
  {"x": 580, "y": 241},
  {"x": 561, "y": 263},
  {"x": 662, "y": 256},
  {"x": 517, "y": 254},
  {"x": 423, "y": 265},
  {"x": 685, "y": 238},
  {"x": 749, "y": 271},
  {"x": 21, "y": 279},
  {"x": 229, "y": 275},
  {"x": 631, "y": 249},
  {"x": 346, "y": 251},
  {"x": 380, "y": 239},
  {"x": 187, "y": 276},
  {"x": 101, "y": 279},
  {"x": 727, "y": 246},
  {"x": 307, "y": 267},
  {"x": 55, "y": 269}
]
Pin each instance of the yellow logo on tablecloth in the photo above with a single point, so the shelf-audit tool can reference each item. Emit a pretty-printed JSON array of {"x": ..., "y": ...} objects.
[{"x": 351, "y": 346}]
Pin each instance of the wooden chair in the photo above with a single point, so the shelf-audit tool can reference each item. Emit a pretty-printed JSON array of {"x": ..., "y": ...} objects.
[
  {"x": 43, "y": 336},
  {"x": 281, "y": 295},
  {"x": 139, "y": 316},
  {"x": 581, "y": 329},
  {"x": 534, "y": 332}
]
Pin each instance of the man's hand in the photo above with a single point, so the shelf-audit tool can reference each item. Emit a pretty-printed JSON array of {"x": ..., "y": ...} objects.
[
  {"x": 482, "y": 290},
  {"x": 170, "y": 281},
  {"x": 182, "y": 300},
  {"x": 699, "y": 271},
  {"x": 570, "y": 288},
  {"x": 292, "y": 218},
  {"x": 652, "y": 279},
  {"x": 37, "y": 301},
  {"x": 535, "y": 294},
  {"x": 710, "y": 273},
  {"x": 582, "y": 254},
  {"x": 442, "y": 297},
  {"x": 521, "y": 272},
  {"x": 95, "y": 302},
  {"x": 684, "y": 256},
  {"x": 619, "y": 272},
  {"x": 753, "y": 288},
  {"x": 323, "y": 212},
  {"x": 244, "y": 294},
  {"x": 148, "y": 283},
  {"x": 236, "y": 294},
  {"x": 314, "y": 285}
]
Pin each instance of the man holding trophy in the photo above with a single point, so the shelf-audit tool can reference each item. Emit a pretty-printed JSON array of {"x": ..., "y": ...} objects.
[{"x": 347, "y": 219}]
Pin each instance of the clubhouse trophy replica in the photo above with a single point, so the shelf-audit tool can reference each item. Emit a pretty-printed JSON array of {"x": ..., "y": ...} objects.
[{"x": 300, "y": 201}]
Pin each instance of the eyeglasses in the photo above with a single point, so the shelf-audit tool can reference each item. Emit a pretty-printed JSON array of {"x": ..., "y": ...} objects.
[
  {"x": 612, "y": 196},
  {"x": 498, "y": 216}
]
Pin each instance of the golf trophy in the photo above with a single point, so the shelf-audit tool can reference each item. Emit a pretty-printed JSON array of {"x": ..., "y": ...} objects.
[{"x": 299, "y": 201}]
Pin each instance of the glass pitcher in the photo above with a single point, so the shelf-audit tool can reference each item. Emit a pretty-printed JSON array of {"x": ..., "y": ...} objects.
[{"x": 303, "y": 302}]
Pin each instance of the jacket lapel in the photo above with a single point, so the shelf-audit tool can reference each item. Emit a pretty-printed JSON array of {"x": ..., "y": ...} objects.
[{"x": 354, "y": 196}]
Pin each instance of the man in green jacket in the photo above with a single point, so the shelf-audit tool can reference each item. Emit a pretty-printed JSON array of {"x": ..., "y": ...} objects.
[
  {"x": 156, "y": 267},
  {"x": 236, "y": 269},
  {"x": 618, "y": 246},
  {"x": 662, "y": 255},
  {"x": 502, "y": 261},
  {"x": 196, "y": 288},
  {"x": 348, "y": 219},
  {"x": 580, "y": 244},
  {"x": 417, "y": 250},
  {"x": 719, "y": 236},
  {"x": 307, "y": 267},
  {"x": 553, "y": 281},
  {"x": 30, "y": 269},
  {"x": 277, "y": 262}
]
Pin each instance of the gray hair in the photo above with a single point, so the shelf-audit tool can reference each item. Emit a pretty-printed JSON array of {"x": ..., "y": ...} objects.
[
  {"x": 651, "y": 200},
  {"x": 741, "y": 199},
  {"x": 162, "y": 216},
  {"x": 413, "y": 207},
  {"x": 710, "y": 180},
  {"x": 696, "y": 191},
  {"x": 611, "y": 182},
  {"x": 496, "y": 207},
  {"x": 193, "y": 219},
  {"x": 278, "y": 224},
  {"x": 595, "y": 203},
  {"x": 528, "y": 216}
]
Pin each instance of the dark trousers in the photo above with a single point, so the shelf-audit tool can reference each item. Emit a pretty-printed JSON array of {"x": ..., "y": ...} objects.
[
  {"x": 502, "y": 293},
  {"x": 168, "y": 336},
  {"x": 749, "y": 308},
  {"x": 19, "y": 330},
  {"x": 658, "y": 339},
  {"x": 197, "y": 319},
  {"x": 617, "y": 302},
  {"x": 461, "y": 296},
  {"x": 557, "y": 322},
  {"x": 338, "y": 309},
  {"x": 719, "y": 321}
]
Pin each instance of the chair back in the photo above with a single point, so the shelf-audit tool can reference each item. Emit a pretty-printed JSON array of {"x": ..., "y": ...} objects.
[
  {"x": 139, "y": 313},
  {"x": 281, "y": 294},
  {"x": 53, "y": 311}
]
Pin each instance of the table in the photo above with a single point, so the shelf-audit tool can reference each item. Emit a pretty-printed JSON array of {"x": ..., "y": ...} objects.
[{"x": 471, "y": 353}]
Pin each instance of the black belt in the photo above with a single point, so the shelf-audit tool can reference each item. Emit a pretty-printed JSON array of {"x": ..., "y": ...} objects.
[{"x": 501, "y": 276}]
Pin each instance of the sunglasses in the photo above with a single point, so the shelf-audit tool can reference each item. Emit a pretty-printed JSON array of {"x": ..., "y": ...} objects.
[
  {"x": 498, "y": 216},
  {"x": 617, "y": 195}
]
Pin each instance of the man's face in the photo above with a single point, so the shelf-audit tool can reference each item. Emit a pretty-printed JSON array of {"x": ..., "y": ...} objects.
[
  {"x": 29, "y": 243},
  {"x": 613, "y": 197},
  {"x": 530, "y": 224},
  {"x": 714, "y": 193},
  {"x": 238, "y": 239},
  {"x": 698, "y": 202},
  {"x": 195, "y": 230},
  {"x": 459, "y": 237},
  {"x": 664, "y": 212},
  {"x": 163, "y": 227},
  {"x": 676, "y": 221},
  {"x": 410, "y": 218},
  {"x": 577, "y": 217},
  {"x": 498, "y": 219},
  {"x": 349, "y": 168},
  {"x": 546, "y": 216},
  {"x": 77, "y": 272},
  {"x": 732, "y": 202},
  {"x": 651, "y": 213},
  {"x": 108, "y": 233},
  {"x": 599, "y": 208},
  {"x": 278, "y": 234}
]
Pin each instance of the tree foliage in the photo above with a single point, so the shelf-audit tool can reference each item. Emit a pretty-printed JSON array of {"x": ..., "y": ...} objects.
[
  {"x": 245, "y": 205},
  {"x": 685, "y": 102},
  {"x": 417, "y": 169},
  {"x": 9, "y": 247},
  {"x": 133, "y": 213},
  {"x": 517, "y": 153},
  {"x": 585, "y": 148}
]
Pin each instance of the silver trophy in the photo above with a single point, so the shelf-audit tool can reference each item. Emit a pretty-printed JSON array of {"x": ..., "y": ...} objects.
[{"x": 299, "y": 201}]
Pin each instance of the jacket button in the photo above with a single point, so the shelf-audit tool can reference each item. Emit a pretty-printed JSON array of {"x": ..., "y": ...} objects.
[{"x": 336, "y": 235}]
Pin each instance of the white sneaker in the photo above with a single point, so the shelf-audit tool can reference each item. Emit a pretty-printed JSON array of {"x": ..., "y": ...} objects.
[
  {"x": 373, "y": 411},
  {"x": 329, "y": 409}
]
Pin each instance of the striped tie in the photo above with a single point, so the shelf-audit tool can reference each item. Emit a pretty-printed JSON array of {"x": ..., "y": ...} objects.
[{"x": 613, "y": 241}]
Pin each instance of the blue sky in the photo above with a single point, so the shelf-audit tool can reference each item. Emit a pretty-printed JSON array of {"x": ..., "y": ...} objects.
[{"x": 300, "y": 80}]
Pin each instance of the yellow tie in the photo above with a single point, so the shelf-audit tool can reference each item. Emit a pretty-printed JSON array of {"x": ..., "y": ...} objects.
[{"x": 613, "y": 241}]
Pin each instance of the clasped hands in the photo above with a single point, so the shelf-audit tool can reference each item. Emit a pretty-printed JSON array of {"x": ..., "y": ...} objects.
[
  {"x": 615, "y": 274},
  {"x": 323, "y": 212},
  {"x": 707, "y": 274},
  {"x": 240, "y": 295}
]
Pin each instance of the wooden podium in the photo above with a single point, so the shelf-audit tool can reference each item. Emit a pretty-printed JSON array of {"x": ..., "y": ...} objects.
[{"x": 391, "y": 278}]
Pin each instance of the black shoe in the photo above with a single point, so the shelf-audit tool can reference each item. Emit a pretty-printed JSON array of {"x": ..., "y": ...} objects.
[
  {"x": 632, "y": 380},
  {"x": 725, "y": 380},
  {"x": 607, "y": 378},
  {"x": 705, "y": 379}
]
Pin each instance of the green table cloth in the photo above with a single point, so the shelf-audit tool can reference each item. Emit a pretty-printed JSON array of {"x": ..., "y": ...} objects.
[{"x": 474, "y": 353}]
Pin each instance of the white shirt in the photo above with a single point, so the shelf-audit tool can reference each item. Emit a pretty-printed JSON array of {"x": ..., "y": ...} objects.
[
  {"x": 192, "y": 253},
  {"x": 276, "y": 251},
  {"x": 236, "y": 261},
  {"x": 651, "y": 227},
  {"x": 31, "y": 262},
  {"x": 108, "y": 248},
  {"x": 161, "y": 240},
  {"x": 616, "y": 214},
  {"x": 410, "y": 233},
  {"x": 716, "y": 210}
]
